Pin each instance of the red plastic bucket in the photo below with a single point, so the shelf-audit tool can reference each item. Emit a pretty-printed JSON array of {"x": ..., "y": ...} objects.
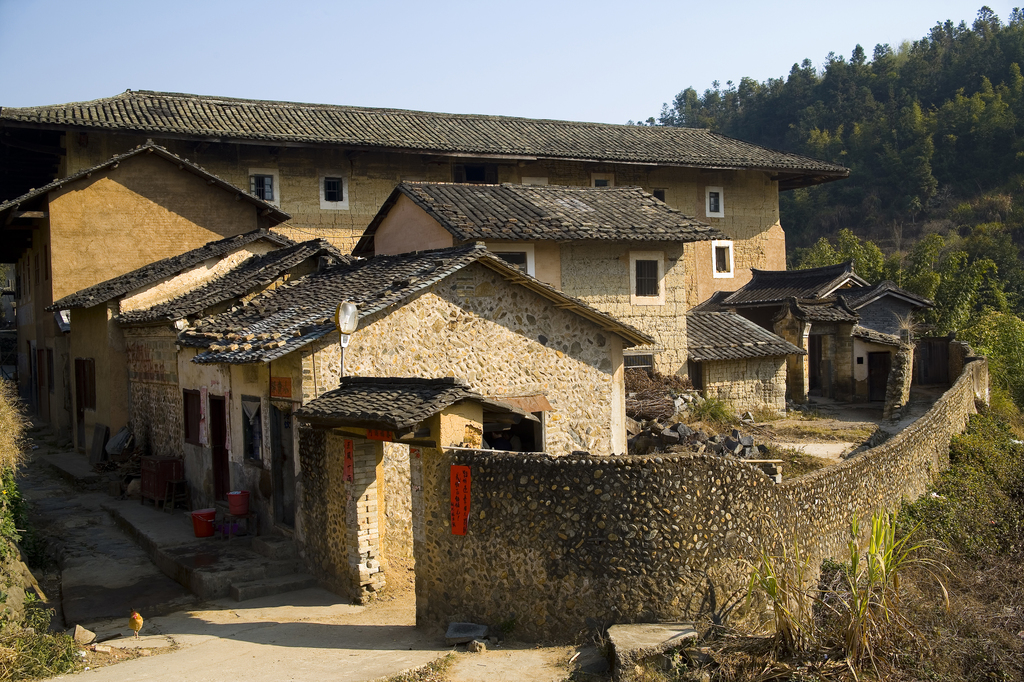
[
  {"x": 202, "y": 522},
  {"x": 238, "y": 502}
]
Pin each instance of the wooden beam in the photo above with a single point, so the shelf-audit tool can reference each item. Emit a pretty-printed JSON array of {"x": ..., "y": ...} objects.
[{"x": 28, "y": 214}]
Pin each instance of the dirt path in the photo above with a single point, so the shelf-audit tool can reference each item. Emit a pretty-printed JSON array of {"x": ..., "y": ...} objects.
[{"x": 512, "y": 664}]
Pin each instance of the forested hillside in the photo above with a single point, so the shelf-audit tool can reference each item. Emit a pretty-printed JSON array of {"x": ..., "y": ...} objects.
[
  {"x": 933, "y": 134},
  {"x": 931, "y": 130}
]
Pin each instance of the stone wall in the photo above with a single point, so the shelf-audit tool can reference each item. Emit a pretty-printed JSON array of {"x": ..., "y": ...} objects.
[
  {"x": 397, "y": 501},
  {"x": 155, "y": 402},
  {"x": 598, "y": 273},
  {"x": 748, "y": 384},
  {"x": 342, "y": 540},
  {"x": 505, "y": 341},
  {"x": 897, "y": 390},
  {"x": 557, "y": 543}
]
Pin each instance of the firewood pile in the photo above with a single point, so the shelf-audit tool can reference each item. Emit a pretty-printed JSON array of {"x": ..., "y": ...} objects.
[{"x": 654, "y": 396}]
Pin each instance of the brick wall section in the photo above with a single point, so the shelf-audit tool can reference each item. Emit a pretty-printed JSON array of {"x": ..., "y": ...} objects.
[
  {"x": 558, "y": 541},
  {"x": 155, "y": 402},
  {"x": 342, "y": 542},
  {"x": 748, "y": 384}
]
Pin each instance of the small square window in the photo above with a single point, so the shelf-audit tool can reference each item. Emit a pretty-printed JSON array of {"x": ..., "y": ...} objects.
[
  {"x": 518, "y": 255},
  {"x": 659, "y": 194},
  {"x": 714, "y": 205},
  {"x": 263, "y": 187},
  {"x": 516, "y": 258},
  {"x": 860, "y": 360},
  {"x": 647, "y": 278},
  {"x": 252, "y": 428},
  {"x": 333, "y": 190},
  {"x": 646, "y": 271},
  {"x": 602, "y": 179},
  {"x": 475, "y": 173},
  {"x": 722, "y": 258}
]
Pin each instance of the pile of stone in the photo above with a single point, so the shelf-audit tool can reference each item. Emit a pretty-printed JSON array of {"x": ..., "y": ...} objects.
[{"x": 654, "y": 436}]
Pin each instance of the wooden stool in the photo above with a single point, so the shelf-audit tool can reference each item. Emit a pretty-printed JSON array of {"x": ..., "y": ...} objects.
[{"x": 177, "y": 491}]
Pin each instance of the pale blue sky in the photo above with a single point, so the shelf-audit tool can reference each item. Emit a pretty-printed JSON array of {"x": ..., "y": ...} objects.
[{"x": 594, "y": 61}]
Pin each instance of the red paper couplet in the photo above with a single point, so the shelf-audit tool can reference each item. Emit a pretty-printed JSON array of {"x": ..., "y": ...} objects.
[
  {"x": 460, "y": 499},
  {"x": 350, "y": 465},
  {"x": 379, "y": 434}
]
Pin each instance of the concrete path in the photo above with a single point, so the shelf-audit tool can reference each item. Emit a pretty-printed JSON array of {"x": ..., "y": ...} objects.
[{"x": 305, "y": 635}]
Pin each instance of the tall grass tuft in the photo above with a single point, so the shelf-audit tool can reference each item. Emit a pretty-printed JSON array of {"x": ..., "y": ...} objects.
[
  {"x": 781, "y": 580},
  {"x": 712, "y": 410}
]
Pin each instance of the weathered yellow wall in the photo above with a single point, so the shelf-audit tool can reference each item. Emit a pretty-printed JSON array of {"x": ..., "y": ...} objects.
[
  {"x": 750, "y": 197},
  {"x": 96, "y": 336},
  {"x": 408, "y": 227},
  {"x": 599, "y": 274},
  {"x": 140, "y": 212}
]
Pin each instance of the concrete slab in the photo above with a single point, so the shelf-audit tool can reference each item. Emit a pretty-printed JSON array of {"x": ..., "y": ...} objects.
[
  {"x": 634, "y": 642},
  {"x": 461, "y": 633},
  {"x": 511, "y": 665},
  {"x": 72, "y": 467}
]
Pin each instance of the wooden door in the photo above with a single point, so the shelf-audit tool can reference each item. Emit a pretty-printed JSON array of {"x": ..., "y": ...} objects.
[
  {"x": 218, "y": 448},
  {"x": 81, "y": 391},
  {"x": 878, "y": 374},
  {"x": 282, "y": 464},
  {"x": 814, "y": 362}
]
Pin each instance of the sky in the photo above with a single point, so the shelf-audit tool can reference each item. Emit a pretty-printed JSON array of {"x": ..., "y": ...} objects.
[{"x": 588, "y": 61}]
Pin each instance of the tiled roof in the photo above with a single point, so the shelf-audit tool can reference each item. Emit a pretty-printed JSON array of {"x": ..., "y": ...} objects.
[
  {"x": 728, "y": 336},
  {"x": 162, "y": 269},
  {"x": 858, "y": 298},
  {"x": 875, "y": 336},
  {"x": 251, "y": 274},
  {"x": 288, "y": 317},
  {"x": 393, "y": 404},
  {"x": 828, "y": 310},
  {"x": 275, "y": 214},
  {"x": 713, "y": 304},
  {"x": 775, "y": 286},
  {"x": 222, "y": 118},
  {"x": 530, "y": 212}
]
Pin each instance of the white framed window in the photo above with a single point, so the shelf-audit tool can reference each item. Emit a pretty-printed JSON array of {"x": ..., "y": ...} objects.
[
  {"x": 714, "y": 202},
  {"x": 518, "y": 255},
  {"x": 265, "y": 183},
  {"x": 534, "y": 180},
  {"x": 333, "y": 191},
  {"x": 721, "y": 258},
  {"x": 647, "y": 277},
  {"x": 602, "y": 179}
]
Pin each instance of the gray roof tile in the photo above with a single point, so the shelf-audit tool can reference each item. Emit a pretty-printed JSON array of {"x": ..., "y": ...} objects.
[
  {"x": 549, "y": 212},
  {"x": 775, "y": 286},
  {"x": 253, "y": 273},
  {"x": 288, "y": 317},
  {"x": 728, "y": 336},
  {"x": 393, "y": 404},
  {"x": 860, "y": 297},
  {"x": 223, "y": 118},
  {"x": 875, "y": 336}
]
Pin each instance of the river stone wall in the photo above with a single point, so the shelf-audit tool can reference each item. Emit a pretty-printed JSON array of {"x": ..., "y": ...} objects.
[{"x": 557, "y": 545}]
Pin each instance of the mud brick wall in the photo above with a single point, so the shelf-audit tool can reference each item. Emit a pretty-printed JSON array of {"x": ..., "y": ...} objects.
[
  {"x": 155, "y": 403},
  {"x": 748, "y": 384},
  {"x": 555, "y": 543}
]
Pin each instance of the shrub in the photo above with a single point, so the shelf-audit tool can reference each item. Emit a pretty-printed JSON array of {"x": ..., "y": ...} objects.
[{"x": 712, "y": 410}]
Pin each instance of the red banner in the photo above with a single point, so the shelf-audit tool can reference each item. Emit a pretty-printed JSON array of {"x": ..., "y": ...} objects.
[
  {"x": 280, "y": 387},
  {"x": 460, "y": 483},
  {"x": 379, "y": 434},
  {"x": 350, "y": 464}
]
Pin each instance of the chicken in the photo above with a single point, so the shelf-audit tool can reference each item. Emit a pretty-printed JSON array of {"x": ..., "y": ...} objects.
[{"x": 135, "y": 622}]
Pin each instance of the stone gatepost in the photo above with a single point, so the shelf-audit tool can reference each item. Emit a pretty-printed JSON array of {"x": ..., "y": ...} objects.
[
  {"x": 430, "y": 475},
  {"x": 797, "y": 374}
]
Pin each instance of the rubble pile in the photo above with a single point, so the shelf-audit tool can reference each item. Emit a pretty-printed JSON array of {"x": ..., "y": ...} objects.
[{"x": 653, "y": 435}]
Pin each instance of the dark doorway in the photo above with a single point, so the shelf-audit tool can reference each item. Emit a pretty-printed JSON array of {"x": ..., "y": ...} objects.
[
  {"x": 218, "y": 448},
  {"x": 282, "y": 464},
  {"x": 42, "y": 385},
  {"x": 814, "y": 363},
  {"x": 931, "y": 360},
  {"x": 878, "y": 374}
]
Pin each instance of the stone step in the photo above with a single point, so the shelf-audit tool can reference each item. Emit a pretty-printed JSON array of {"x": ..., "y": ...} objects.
[
  {"x": 274, "y": 547},
  {"x": 243, "y": 591}
]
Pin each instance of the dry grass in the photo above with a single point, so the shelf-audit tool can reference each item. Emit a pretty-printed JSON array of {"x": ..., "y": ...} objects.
[
  {"x": 13, "y": 425},
  {"x": 796, "y": 463}
]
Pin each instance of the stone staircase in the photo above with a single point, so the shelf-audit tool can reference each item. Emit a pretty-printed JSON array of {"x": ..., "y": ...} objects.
[{"x": 283, "y": 570}]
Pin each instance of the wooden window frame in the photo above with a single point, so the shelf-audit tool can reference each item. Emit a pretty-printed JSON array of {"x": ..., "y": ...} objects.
[{"x": 191, "y": 404}]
